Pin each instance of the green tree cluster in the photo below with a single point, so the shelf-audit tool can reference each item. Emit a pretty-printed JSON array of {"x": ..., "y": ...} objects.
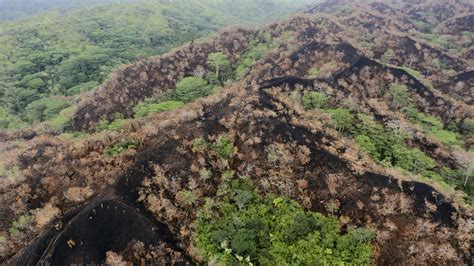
[
  {"x": 254, "y": 53},
  {"x": 467, "y": 127},
  {"x": 252, "y": 229},
  {"x": 44, "y": 109},
  {"x": 220, "y": 64},
  {"x": 315, "y": 100},
  {"x": 341, "y": 119},
  {"x": 388, "y": 146},
  {"x": 10, "y": 121},
  {"x": 191, "y": 88},
  {"x": 431, "y": 124}
]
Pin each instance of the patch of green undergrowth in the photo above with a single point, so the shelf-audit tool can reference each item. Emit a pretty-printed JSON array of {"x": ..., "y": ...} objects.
[
  {"x": 121, "y": 147},
  {"x": 431, "y": 124},
  {"x": 20, "y": 224},
  {"x": 143, "y": 109},
  {"x": 223, "y": 146},
  {"x": 387, "y": 143},
  {"x": 115, "y": 125}
]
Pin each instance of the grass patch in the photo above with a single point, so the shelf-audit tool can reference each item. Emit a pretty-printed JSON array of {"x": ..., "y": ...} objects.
[
  {"x": 115, "y": 125},
  {"x": 63, "y": 119},
  {"x": 435, "y": 39},
  {"x": 144, "y": 109}
]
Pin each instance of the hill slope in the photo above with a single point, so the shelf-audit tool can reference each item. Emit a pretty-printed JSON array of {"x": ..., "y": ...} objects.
[{"x": 340, "y": 108}]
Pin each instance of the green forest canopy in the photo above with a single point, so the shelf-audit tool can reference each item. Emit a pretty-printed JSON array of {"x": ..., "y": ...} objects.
[
  {"x": 17, "y": 9},
  {"x": 63, "y": 54},
  {"x": 250, "y": 229}
]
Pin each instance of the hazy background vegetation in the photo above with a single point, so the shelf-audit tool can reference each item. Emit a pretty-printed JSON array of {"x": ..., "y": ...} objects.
[
  {"x": 70, "y": 47},
  {"x": 15, "y": 9}
]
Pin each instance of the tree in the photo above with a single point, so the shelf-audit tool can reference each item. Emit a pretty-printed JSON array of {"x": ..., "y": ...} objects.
[
  {"x": 18, "y": 98},
  {"x": 466, "y": 161},
  {"x": 412, "y": 58},
  {"x": 387, "y": 56},
  {"x": 413, "y": 160},
  {"x": 199, "y": 72},
  {"x": 366, "y": 144},
  {"x": 220, "y": 64},
  {"x": 83, "y": 87},
  {"x": 82, "y": 69},
  {"x": 400, "y": 129},
  {"x": 314, "y": 100},
  {"x": 191, "y": 88},
  {"x": 10, "y": 121},
  {"x": 400, "y": 96},
  {"x": 342, "y": 119},
  {"x": 36, "y": 84},
  {"x": 467, "y": 126},
  {"x": 254, "y": 53},
  {"x": 437, "y": 63},
  {"x": 44, "y": 109}
]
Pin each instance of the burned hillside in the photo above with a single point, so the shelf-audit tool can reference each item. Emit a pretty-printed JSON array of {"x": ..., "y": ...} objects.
[{"x": 351, "y": 110}]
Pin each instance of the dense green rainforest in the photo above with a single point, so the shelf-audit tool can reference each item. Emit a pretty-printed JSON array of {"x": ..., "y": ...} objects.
[{"x": 48, "y": 59}]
